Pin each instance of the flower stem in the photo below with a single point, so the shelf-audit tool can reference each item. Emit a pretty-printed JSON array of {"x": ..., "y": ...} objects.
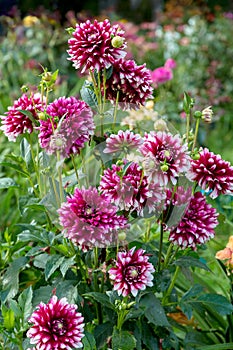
[
  {"x": 169, "y": 253},
  {"x": 187, "y": 126},
  {"x": 196, "y": 133},
  {"x": 160, "y": 246},
  {"x": 173, "y": 281},
  {"x": 75, "y": 168},
  {"x": 115, "y": 110}
]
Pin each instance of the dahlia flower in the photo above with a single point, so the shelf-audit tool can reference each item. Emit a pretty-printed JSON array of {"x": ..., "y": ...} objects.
[
  {"x": 129, "y": 189},
  {"x": 124, "y": 141},
  {"x": 197, "y": 225},
  {"x": 212, "y": 173},
  {"x": 165, "y": 157},
  {"x": 56, "y": 326},
  {"x": 15, "y": 122},
  {"x": 90, "y": 46},
  {"x": 170, "y": 63},
  {"x": 133, "y": 272},
  {"x": 89, "y": 219},
  {"x": 69, "y": 127},
  {"x": 161, "y": 75},
  {"x": 227, "y": 254},
  {"x": 132, "y": 82}
]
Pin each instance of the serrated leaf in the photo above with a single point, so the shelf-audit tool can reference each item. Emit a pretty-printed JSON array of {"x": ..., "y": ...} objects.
[
  {"x": 100, "y": 298},
  {"x": 52, "y": 264},
  {"x": 16, "y": 167},
  {"x": 66, "y": 264},
  {"x": 25, "y": 303},
  {"x": 11, "y": 277},
  {"x": 190, "y": 261},
  {"x": 88, "y": 95},
  {"x": 102, "y": 332},
  {"x": 42, "y": 294},
  {"x": 123, "y": 340},
  {"x": 7, "y": 182},
  {"x": 217, "y": 302},
  {"x": 148, "y": 337},
  {"x": 154, "y": 311},
  {"x": 35, "y": 234},
  {"x": 40, "y": 261},
  {"x": 26, "y": 153},
  {"x": 88, "y": 342}
]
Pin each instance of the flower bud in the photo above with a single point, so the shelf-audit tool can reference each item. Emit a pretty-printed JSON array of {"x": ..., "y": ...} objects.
[
  {"x": 160, "y": 125},
  {"x": 117, "y": 41},
  {"x": 121, "y": 236},
  {"x": 197, "y": 114},
  {"x": 164, "y": 167},
  {"x": 207, "y": 114}
]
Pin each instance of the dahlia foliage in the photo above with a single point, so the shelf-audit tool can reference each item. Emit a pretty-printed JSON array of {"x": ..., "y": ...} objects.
[{"x": 121, "y": 206}]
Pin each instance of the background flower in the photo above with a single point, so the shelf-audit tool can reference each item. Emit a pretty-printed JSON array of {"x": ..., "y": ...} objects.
[
  {"x": 133, "y": 272},
  {"x": 124, "y": 141},
  {"x": 56, "y": 326}
]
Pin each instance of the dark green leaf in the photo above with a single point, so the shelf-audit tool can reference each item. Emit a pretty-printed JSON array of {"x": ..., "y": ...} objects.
[
  {"x": 218, "y": 302},
  {"x": 190, "y": 261},
  {"x": 88, "y": 342},
  {"x": 7, "y": 182},
  {"x": 102, "y": 332},
  {"x": 29, "y": 115},
  {"x": 88, "y": 95},
  {"x": 26, "y": 153},
  {"x": 226, "y": 346},
  {"x": 25, "y": 303},
  {"x": 66, "y": 264},
  {"x": 16, "y": 167},
  {"x": 122, "y": 340},
  {"x": 42, "y": 294},
  {"x": 154, "y": 311},
  {"x": 52, "y": 264},
  {"x": 148, "y": 337},
  {"x": 101, "y": 298}
]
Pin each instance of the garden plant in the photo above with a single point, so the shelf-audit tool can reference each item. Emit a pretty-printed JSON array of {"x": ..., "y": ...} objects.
[{"x": 117, "y": 208}]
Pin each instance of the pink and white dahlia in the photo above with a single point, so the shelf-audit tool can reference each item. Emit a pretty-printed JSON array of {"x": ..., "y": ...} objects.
[
  {"x": 92, "y": 45},
  {"x": 15, "y": 122},
  {"x": 212, "y": 173},
  {"x": 197, "y": 225},
  {"x": 56, "y": 326},
  {"x": 131, "y": 82},
  {"x": 133, "y": 272},
  {"x": 124, "y": 141},
  {"x": 161, "y": 75},
  {"x": 165, "y": 157},
  {"x": 129, "y": 189},
  {"x": 89, "y": 219},
  {"x": 68, "y": 127}
]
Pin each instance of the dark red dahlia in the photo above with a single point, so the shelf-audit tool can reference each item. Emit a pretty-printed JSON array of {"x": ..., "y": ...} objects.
[
  {"x": 15, "y": 122},
  {"x": 131, "y": 82},
  {"x": 197, "y": 225},
  {"x": 69, "y": 126},
  {"x": 92, "y": 46},
  {"x": 56, "y": 326},
  {"x": 133, "y": 272},
  {"x": 89, "y": 219},
  {"x": 212, "y": 173}
]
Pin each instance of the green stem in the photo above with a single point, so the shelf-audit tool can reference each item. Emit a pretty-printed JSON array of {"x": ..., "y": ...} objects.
[
  {"x": 160, "y": 246},
  {"x": 59, "y": 170},
  {"x": 196, "y": 133},
  {"x": 115, "y": 110},
  {"x": 169, "y": 253},
  {"x": 75, "y": 168},
  {"x": 173, "y": 281},
  {"x": 147, "y": 234},
  {"x": 187, "y": 126}
]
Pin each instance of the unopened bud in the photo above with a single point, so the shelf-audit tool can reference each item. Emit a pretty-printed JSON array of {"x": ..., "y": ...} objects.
[
  {"x": 197, "y": 114},
  {"x": 24, "y": 88},
  {"x": 195, "y": 156},
  {"x": 47, "y": 76},
  {"x": 160, "y": 125},
  {"x": 42, "y": 115},
  {"x": 207, "y": 114},
  {"x": 117, "y": 41},
  {"x": 121, "y": 236}
]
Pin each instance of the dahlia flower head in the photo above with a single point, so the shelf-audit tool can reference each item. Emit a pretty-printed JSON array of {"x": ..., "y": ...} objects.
[
  {"x": 132, "y": 272},
  {"x": 163, "y": 74},
  {"x": 197, "y": 224},
  {"x": 15, "y": 122},
  {"x": 91, "y": 45},
  {"x": 90, "y": 220},
  {"x": 127, "y": 187},
  {"x": 226, "y": 254},
  {"x": 124, "y": 141},
  {"x": 56, "y": 326},
  {"x": 129, "y": 83},
  {"x": 165, "y": 157},
  {"x": 213, "y": 174},
  {"x": 68, "y": 127}
]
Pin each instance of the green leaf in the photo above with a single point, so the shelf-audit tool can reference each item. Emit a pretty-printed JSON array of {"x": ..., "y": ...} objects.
[
  {"x": 148, "y": 337},
  {"x": 26, "y": 153},
  {"x": 102, "y": 332},
  {"x": 122, "y": 340},
  {"x": 217, "y": 302},
  {"x": 42, "y": 294},
  {"x": 100, "y": 298},
  {"x": 187, "y": 103},
  {"x": 29, "y": 115},
  {"x": 16, "y": 167},
  {"x": 7, "y": 182},
  {"x": 89, "y": 342},
  {"x": 88, "y": 95},
  {"x": 25, "y": 303},
  {"x": 66, "y": 264},
  {"x": 52, "y": 264},
  {"x": 11, "y": 277},
  {"x": 190, "y": 261},
  {"x": 8, "y": 317},
  {"x": 154, "y": 311},
  {"x": 226, "y": 346}
]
